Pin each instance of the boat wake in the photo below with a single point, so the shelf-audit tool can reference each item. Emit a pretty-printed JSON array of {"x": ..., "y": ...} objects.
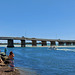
[
  {"x": 67, "y": 49},
  {"x": 64, "y": 49}
]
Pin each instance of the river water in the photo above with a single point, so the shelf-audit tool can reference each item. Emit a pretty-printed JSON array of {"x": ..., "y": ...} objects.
[{"x": 42, "y": 61}]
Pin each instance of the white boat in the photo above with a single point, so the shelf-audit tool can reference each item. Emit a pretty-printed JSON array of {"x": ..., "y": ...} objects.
[{"x": 52, "y": 48}]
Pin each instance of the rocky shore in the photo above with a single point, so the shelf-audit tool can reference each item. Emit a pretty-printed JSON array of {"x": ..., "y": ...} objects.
[{"x": 4, "y": 68}]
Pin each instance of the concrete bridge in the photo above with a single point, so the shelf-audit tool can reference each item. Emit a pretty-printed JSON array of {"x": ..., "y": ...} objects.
[{"x": 10, "y": 42}]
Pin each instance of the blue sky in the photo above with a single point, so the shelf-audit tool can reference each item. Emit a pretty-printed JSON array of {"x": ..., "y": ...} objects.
[{"x": 52, "y": 19}]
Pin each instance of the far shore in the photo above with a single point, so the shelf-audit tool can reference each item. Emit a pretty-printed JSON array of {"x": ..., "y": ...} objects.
[{"x": 34, "y": 46}]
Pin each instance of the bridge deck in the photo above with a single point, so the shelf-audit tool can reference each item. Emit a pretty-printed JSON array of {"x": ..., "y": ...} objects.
[{"x": 37, "y": 39}]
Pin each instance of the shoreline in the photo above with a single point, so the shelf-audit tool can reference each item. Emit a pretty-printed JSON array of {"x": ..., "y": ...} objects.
[
  {"x": 5, "y": 70},
  {"x": 46, "y": 46},
  {"x": 35, "y": 46}
]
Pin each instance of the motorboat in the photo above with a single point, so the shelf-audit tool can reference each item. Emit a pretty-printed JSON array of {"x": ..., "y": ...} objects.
[{"x": 52, "y": 48}]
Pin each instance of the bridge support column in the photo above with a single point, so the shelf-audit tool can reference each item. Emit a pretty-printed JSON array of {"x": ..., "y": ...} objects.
[
  {"x": 73, "y": 43},
  {"x": 44, "y": 43},
  {"x": 10, "y": 43},
  {"x": 53, "y": 43},
  {"x": 68, "y": 43},
  {"x": 22, "y": 43},
  {"x": 34, "y": 43},
  {"x": 61, "y": 43}
]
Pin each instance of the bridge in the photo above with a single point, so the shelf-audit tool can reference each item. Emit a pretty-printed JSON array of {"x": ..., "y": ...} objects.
[{"x": 10, "y": 41}]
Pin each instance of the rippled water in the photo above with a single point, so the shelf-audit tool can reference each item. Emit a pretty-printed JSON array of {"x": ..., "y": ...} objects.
[{"x": 42, "y": 61}]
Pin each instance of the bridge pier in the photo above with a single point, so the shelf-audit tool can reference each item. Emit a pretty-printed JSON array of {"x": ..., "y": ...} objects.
[
  {"x": 73, "y": 43},
  {"x": 44, "y": 43},
  {"x": 68, "y": 43},
  {"x": 61, "y": 43},
  {"x": 53, "y": 43},
  {"x": 34, "y": 43},
  {"x": 10, "y": 43},
  {"x": 22, "y": 43}
]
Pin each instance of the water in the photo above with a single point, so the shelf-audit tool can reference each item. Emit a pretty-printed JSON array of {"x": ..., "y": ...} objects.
[{"x": 42, "y": 61}]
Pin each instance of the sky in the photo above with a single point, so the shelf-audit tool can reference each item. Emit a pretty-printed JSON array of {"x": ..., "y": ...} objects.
[{"x": 48, "y": 19}]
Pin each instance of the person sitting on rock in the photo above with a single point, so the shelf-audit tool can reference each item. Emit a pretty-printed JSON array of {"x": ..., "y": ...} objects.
[{"x": 11, "y": 55}]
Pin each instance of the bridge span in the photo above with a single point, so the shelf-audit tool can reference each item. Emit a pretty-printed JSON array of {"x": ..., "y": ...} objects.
[{"x": 10, "y": 41}]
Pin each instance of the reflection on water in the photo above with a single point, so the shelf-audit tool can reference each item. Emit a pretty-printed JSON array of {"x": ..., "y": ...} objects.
[{"x": 42, "y": 61}]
